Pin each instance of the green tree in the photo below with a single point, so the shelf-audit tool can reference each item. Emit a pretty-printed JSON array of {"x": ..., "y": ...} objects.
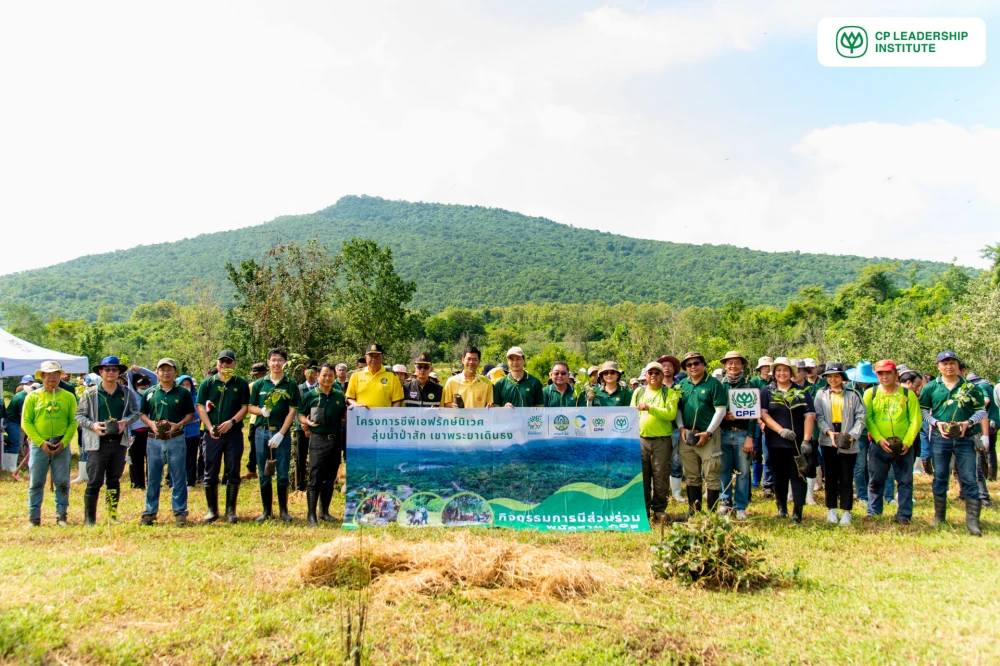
[{"x": 373, "y": 298}]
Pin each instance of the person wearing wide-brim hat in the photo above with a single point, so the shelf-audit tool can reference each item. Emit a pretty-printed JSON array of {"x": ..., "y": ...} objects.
[
  {"x": 788, "y": 413},
  {"x": 48, "y": 420},
  {"x": 702, "y": 408},
  {"x": 608, "y": 392},
  {"x": 954, "y": 408},
  {"x": 657, "y": 407},
  {"x": 736, "y": 440},
  {"x": 839, "y": 411},
  {"x": 104, "y": 414}
]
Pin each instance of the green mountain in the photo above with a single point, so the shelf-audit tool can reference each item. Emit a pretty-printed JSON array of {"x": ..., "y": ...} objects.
[{"x": 459, "y": 255}]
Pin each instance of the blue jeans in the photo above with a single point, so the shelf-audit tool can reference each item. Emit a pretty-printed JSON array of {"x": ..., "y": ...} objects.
[
  {"x": 173, "y": 453},
  {"x": 767, "y": 480},
  {"x": 965, "y": 462},
  {"x": 13, "y": 431},
  {"x": 38, "y": 468},
  {"x": 925, "y": 441},
  {"x": 676, "y": 469},
  {"x": 881, "y": 464},
  {"x": 735, "y": 491},
  {"x": 861, "y": 470},
  {"x": 282, "y": 457}
]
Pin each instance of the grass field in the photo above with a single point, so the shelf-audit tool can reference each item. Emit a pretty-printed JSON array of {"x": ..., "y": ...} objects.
[{"x": 868, "y": 594}]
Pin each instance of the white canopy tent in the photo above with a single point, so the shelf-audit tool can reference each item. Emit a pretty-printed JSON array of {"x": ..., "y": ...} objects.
[{"x": 23, "y": 358}]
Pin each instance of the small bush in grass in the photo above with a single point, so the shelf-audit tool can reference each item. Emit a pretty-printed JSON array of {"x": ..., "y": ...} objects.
[{"x": 711, "y": 552}]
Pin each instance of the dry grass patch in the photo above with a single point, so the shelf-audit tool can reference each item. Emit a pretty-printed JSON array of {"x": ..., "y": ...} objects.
[{"x": 399, "y": 569}]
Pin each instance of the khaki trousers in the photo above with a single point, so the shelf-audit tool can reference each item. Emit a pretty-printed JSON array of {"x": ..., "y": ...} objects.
[
  {"x": 702, "y": 462},
  {"x": 656, "y": 455}
]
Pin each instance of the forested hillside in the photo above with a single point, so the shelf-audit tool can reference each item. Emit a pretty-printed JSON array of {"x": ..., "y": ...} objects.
[{"x": 467, "y": 256}]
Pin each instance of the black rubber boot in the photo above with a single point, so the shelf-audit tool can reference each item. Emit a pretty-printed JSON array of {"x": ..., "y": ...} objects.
[
  {"x": 89, "y": 508},
  {"x": 111, "y": 504},
  {"x": 265, "y": 501},
  {"x": 940, "y": 508},
  {"x": 325, "y": 495},
  {"x": 782, "y": 504},
  {"x": 929, "y": 466},
  {"x": 312, "y": 497},
  {"x": 796, "y": 513},
  {"x": 713, "y": 500},
  {"x": 212, "y": 502},
  {"x": 972, "y": 509},
  {"x": 283, "y": 504},
  {"x": 694, "y": 500},
  {"x": 232, "y": 493}
]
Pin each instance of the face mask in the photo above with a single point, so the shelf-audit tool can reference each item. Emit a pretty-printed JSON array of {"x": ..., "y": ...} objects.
[{"x": 225, "y": 374}]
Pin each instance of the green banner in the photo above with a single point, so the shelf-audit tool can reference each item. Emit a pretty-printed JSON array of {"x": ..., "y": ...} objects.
[{"x": 561, "y": 469}]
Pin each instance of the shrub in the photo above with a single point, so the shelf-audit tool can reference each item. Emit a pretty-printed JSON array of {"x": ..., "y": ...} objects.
[{"x": 711, "y": 552}]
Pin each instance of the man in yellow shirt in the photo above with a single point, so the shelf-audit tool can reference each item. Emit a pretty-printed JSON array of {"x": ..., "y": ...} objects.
[
  {"x": 374, "y": 385},
  {"x": 469, "y": 386}
]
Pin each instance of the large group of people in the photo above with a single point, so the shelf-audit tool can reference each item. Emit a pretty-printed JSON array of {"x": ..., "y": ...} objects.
[{"x": 857, "y": 432}]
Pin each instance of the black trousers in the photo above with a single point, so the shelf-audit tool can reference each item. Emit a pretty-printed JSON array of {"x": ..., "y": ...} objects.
[
  {"x": 784, "y": 472},
  {"x": 324, "y": 460},
  {"x": 252, "y": 458},
  {"x": 105, "y": 466},
  {"x": 137, "y": 459},
  {"x": 191, "y": 462},
  {"x": 225, "y": 453},
  {"x": 303, "y": 470},
  {"x": 838, "y": 470}
]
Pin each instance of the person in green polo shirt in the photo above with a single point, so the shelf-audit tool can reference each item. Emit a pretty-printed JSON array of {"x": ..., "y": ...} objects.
[
  {"x": 702, "y": 407},
  {"x": 518, "y": 388},
  {"x": 275, "y": 399},
  {"x": 608, "y": 392},
  {"x": 223, "y": 400},
  {"x": 953, "y": 407},
  {"x": 559, "y": 393},
  {"x": 49, "y": 421},
  {"x": 322, "y": 411},
  {"x": 166, "y": 409}
]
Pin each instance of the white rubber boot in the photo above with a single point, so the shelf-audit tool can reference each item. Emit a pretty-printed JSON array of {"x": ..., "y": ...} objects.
[
  {"x": 675, "y": 490},
  {"x": 82, "y": 478},
  {"x": 9, "y": 463},
  {"x": 810, "y": 486}
]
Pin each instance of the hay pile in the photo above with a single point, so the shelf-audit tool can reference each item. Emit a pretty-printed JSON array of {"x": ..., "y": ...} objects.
[{"x": 398, "y": 569}]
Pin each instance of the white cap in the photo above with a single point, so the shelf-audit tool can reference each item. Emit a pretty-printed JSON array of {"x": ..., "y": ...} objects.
[
  {"x": 717, "y": 372},
  {"x": 810, "y": 363},
  {"x": 515, "y": 351},
  {"x": 399, "y": 367}
]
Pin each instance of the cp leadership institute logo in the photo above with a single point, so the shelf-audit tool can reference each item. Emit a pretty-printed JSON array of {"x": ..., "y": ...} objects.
[{"x": 852, "y": 41}]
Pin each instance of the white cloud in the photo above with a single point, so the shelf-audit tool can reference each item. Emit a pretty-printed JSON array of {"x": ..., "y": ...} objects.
[{"x": 133, "y": 124}]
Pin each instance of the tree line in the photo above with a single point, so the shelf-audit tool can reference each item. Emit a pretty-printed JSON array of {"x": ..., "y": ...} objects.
[{"x": 325, "y": 306}]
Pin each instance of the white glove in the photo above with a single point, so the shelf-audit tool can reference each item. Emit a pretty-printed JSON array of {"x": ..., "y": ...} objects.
[
  {"x": 266, "y": 411},
  {"x": 275, "y": 440}
]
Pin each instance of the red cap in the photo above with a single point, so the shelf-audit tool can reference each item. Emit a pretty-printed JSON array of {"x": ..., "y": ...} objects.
[{"x": 885, "y": 365}]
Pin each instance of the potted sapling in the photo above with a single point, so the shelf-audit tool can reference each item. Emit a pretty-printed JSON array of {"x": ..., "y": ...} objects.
[{"x": 953, "y": 428}]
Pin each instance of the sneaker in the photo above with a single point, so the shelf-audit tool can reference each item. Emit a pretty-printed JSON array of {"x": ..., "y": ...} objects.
[
  {"x": 869, "y": 517},
  {"x": 723, "y": 509},
  {"x": 845, "y": 518},
  {"x": 741, "y": 514},
  {"x": 146, "y": 519},
  {"x": 902, "y": 521},
  {"x": 892, "y": 502},
  {"x": 659, "y": 517},
  {"x": 831, "y": 516},
  {"x": 34, "y": 522},
  {"x": 180, "y": 521},
  {"x": 61, "y": 521},
  {"x": 768, "y": 492}
]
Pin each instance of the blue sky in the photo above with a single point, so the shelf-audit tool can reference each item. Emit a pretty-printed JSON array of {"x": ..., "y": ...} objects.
[{"x": 674, "y": 121}]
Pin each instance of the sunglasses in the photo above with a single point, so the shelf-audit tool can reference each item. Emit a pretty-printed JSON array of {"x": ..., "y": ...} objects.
[
  {"x": 653, "y": 372},
  {"x": 694, "y": 364},
  {"x": 560, "y": 374},
  {"x": 227, "y": 361}
]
